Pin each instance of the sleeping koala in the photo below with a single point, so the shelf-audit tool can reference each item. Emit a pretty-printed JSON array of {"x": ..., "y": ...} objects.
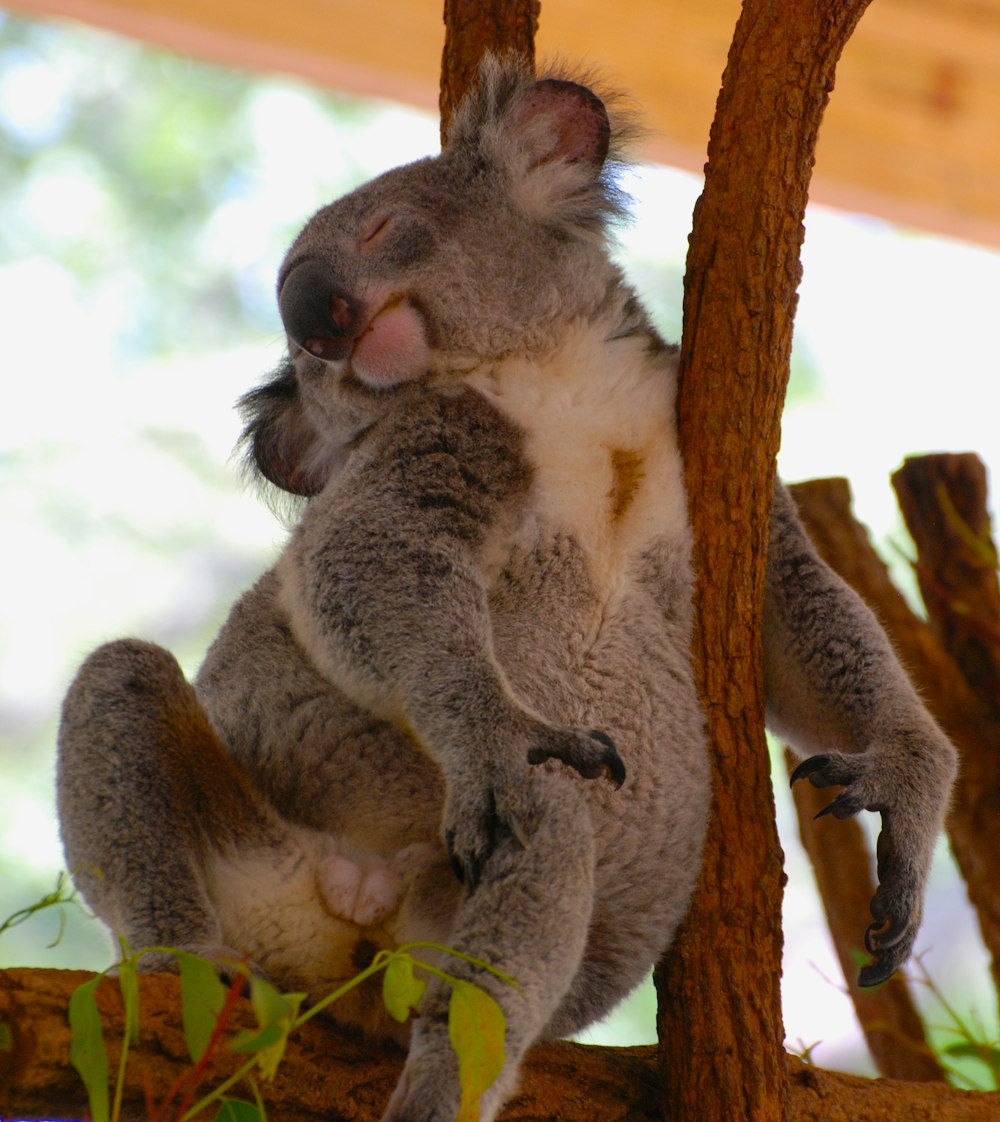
[{"x": 461, "y": 706}]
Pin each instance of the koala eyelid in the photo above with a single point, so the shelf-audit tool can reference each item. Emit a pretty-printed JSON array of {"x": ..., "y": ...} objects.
[{"x": 373, "y": 232}]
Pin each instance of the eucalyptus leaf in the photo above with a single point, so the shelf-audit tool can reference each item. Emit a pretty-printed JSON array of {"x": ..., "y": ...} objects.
[
  {"x": 237, "y": 1110},
  {"x": 203, "y": 997},
  {"x": 476, "y": 1028},
  {"x": 401, "y": 988},
  {"x": 86, "y": 1051}
]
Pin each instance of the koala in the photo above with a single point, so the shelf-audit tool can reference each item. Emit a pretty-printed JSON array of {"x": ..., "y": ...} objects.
[{"x": 460, "y": 708}]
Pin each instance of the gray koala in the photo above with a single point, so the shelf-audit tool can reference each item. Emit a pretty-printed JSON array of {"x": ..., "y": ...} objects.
[{"x": 461, "y": 706}]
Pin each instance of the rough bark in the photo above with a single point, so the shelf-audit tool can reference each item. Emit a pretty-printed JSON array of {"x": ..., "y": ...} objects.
[
  {"x": 842, "y": 862},
  {"x": 328, "y": 1074},
  {"x": 720, "y": 1009},
  {"x": 473, "y": 27},
  {"x": 945, "y": 504},
  {"x": 944, "y": 501}
]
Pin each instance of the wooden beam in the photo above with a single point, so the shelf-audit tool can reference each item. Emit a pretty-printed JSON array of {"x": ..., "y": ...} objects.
[{"x": 913, "y": 134}]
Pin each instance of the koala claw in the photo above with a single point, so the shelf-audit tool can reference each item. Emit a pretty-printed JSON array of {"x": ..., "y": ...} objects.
[
  {"x": 895, "y": 906},
  {"x": 590, "y": 761},
  {"x": 833, "y": 771}
]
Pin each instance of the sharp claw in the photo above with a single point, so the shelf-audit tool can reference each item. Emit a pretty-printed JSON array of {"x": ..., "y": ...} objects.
[
  {"x": 881, "y": 937},
  {"x": 875, "y": 973},
  {"x": 840, "y": 807},
  {"x": 807, "y": 767},
  {"x": 614, "y": 765},
  {"x": 473, "y": 873},
  {"x": 456, "y": 866}
]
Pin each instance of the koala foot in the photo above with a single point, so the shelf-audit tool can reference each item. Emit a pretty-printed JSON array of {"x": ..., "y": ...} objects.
[
  {"x": 896, "y": 905},
  {"x": 504, "y": 808},
  {"x": 593, "y": 754},
  {"x": 364, "y": 893}
]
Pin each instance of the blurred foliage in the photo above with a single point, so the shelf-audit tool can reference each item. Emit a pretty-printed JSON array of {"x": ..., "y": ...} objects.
[
  {"x": 142, "y": 174},
  {"x": 145, "y": 202}
]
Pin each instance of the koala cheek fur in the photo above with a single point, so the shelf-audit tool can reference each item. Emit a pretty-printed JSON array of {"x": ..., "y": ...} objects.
[{"x": 461, "y": 707}]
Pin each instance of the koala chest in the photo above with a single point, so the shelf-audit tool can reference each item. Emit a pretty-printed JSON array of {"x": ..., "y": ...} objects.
[{"x": 600, "y": 436}]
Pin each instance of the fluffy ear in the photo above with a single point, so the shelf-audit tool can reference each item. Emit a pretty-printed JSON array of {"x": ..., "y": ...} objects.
[
  {"x": 281, "y": 442},
  {"x": 562, "y": 120},
  {"x": 552, "y": 140}
]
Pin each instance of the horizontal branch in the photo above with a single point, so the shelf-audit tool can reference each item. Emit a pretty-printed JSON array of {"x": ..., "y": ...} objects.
[{"x": 325, "y": 1066}]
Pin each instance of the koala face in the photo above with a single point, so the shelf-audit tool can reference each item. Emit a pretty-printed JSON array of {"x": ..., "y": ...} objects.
[
  {"x": 436, "y": 268},
  {"x": 432, "y": 267}
]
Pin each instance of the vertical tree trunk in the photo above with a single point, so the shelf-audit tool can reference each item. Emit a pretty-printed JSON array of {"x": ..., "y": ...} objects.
[
  {"x": 473, "y": 27},
  {"x": 720, "y": 1006}
]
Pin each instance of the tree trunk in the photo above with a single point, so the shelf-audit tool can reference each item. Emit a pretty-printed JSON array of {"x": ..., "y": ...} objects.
[
  {"x": 719, "y": 989},
  {"x": 473, "y": 27}
]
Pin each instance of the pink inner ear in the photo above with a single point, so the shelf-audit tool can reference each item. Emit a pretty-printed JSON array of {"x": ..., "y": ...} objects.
[{"x": 578, "y": 118}]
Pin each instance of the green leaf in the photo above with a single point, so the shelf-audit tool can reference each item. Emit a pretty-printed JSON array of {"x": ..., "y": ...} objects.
[
  {"x": 128, "y": 982},
  {"x": 202, "y": 998},
  {"x": 250, "y": 1041},
  {"x": 236, "y": 1110},
  {"x": 86, "y": 1051},
  {"x": 401, "y": 988},
  {"x": 476, "y": 1028},
  {"x": 276, "y": 1011}
]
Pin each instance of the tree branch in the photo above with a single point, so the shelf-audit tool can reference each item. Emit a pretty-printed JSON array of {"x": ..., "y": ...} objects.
[
  {"x": 944, "y": 502},
  {"x": 328, "y": 1074},
  {"x": 473, "y": 27}
]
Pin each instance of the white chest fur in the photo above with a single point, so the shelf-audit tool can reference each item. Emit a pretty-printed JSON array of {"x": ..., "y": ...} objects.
[{"x": 598, "y": 418}]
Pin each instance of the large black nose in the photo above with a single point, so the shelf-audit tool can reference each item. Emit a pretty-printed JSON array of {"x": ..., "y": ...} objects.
[{"x": 318, "y": 315}]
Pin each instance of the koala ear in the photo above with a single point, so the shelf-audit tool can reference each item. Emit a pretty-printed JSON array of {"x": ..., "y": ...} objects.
[
  {"x": 562, "y": 120},
  {"x": 281, "y": 442},
  {"x": 553, "y": 142}
]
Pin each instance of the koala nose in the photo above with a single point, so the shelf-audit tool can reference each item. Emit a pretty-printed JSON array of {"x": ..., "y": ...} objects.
[{"x": 317, "y": 314}]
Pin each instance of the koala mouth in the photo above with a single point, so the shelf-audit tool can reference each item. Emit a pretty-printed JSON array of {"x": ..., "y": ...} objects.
[
  {"x": 382, "y": 339},
  {"x": 392, "y": 348}
]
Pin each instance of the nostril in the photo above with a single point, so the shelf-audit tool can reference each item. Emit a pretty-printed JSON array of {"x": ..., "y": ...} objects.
[{"x": 316, "y": 313}]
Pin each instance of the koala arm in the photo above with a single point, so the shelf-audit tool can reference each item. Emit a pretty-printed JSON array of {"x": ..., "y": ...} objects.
[
  {"x": 835, "y": 687},
  {"x": 386, "y": 587}
]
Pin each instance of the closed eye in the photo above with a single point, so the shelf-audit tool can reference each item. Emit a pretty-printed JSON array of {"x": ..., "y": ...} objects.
[{"x": 374, "y": 232}]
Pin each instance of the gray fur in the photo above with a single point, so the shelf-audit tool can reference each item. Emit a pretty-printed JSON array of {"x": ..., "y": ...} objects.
[{"x": 473, "y": 656}]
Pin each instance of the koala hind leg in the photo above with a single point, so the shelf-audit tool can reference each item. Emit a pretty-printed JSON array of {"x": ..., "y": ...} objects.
[
  {"x": 145, "y": 787},
  {"x": 529, "y": 916}
]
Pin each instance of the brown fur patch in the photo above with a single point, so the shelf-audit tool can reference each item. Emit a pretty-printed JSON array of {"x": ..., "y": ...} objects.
[{"x": 629, "y": 474}]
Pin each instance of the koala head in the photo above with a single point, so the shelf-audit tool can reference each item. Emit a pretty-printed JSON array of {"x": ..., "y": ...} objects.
[{"x": 486, "y": 251}]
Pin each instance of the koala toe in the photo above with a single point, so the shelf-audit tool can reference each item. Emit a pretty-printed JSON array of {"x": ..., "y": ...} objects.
[{"x": 592, "y": 754}]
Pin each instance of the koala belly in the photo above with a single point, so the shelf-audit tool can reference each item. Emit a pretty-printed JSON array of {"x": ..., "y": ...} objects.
[{"x": 591, "y": 613}]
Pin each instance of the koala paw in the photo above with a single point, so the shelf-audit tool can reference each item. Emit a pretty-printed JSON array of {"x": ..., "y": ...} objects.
[
  {"x": 593, "y": 754},
  {"x": 473, "y": 827},
  {"x": 896, "y": 905}
]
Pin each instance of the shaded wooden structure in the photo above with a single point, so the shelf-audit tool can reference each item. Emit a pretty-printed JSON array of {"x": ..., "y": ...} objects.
[{"x": 913, "y": 133}]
